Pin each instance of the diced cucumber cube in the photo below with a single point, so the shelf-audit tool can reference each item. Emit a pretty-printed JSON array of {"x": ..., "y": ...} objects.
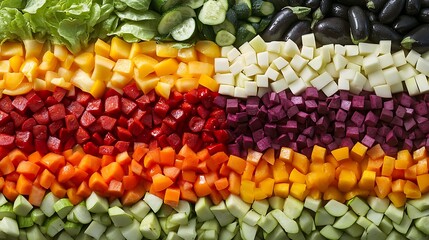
[
  {"x": 22, "y": 235},
  {"x": 297, "y": 236},
  {"x": 25, "y": 221},
  {"x": 150, "y": 227},
  {"x": 374, "y": 216},
  {"x": 422, "y": 224},
  {"x": 95, "y": 229},
  {"x": 346, "y": 220},
  {"x": 355, "y": 230},
  {"x": 3, "y": 199},
  {"x": 386, "y": 225},
  {"x": 312, "y": 204},
  {"x": 306, "y": 222},
  {"x": 102, "y": 218},
  {"x": 330, "y": 232},
  {"x": 119, "y": 217},
  {"x": 21, "y": 206},
  {"x": 153, "y": 201},
  {"x": 237, "y": 207},
  {"x": 139, "y": 210},
  {"x": 210, "y": 235},
  {"x": 165, "y": 211},
  {"x": 188, "y": 231},
  {"x": 422, "y": 203},
  {"x": 268, "y": 223},
  {"x": 373, "y": 232},
  {"x": 114, "y": 233},
  {"x": 47, "y": 204},
  {"x": 276, "y": 202},
  {"x": 363, "y": 222},
  {"x": 35, "y": 233},
  {"x": 81, "y": 214},
  {"x": 222, "y": 214},
  {"x": 211, "y": 225},
  {"x": 62, "y": 207},
  {"x": 174, "y": 236},
  {"x": 96, "y": 203},
  {"x": 6, "y": 210},
  {"x": 183, "y": 207},
  {"x": 415, "y": 213},
  {"x": 54, "y": 225},
  {"x": 38, "y": 216},
  {"x": 346, "y": 236},
  {"x": 248, "y": 232},
  {"x": 404, "y": 225},
  {"x": 115, "y": 203},
  {"x": 293, "y": 207},
  {"x": 179, "y": 218},
  {"x": 251, "y": 218},
  {"x": 277, "y": 233},
  {"x": 225, "y": 234},
  {"x": 202, "y": 209},
  {"x": 335, "y": 208},
  {"x": 289, "y": 225},
  {"x": 132, "y": 231},
  {"x": 10, "y": 227},
  {"x": 394, "y": 235},
  {"x": 359, "y": 206},
  {"x": 395, "y": 214},
  {"x": 378, "y": 204},
  {"x": 64, "y": 236},
  {"x": 415, "y": 234},
  {"x": 72, "y": 228},
  {"x": 323, "y": 218},
  {"x": 232, "y": 227},
  {"x": 261, "y": 206}
]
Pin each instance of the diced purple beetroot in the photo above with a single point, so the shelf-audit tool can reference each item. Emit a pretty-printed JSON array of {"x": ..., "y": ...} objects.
[
  {"x": 241, "y": 107},
  {"x": 326, "y": 139},
  {"x": 405, "y": 100},
  {"x": 57, "y": 112},
  {"x": 234, "y": 149},
  {"x": 376, "y": 102},
  {"x": 400, "y": 111},
  {"x": 274, "y": 98},
  {"x": 371, "y": 131},
  {"x": 252, "y": 106},
  {"x": 310, "y": 105},
  {"x": 20, "y": 103},
  {"x": 28, "y": 124},
  {"x": 122, "y": 146},
  {"x": 258, "y": 135},
  {"x": 420, "y": 119},
  {"x": 389, "y": 105},
  {"x": 322, "y": 108},
  {"x": 368, "y": 141},
  {"x": 386, "y": 115},
  {"x": 341, "y": 115},
  {"x": 262, "y": 113},
  {"x": 391, "y": 139},
  {"x": 301, "y": 141},
  {"x": 292, "y": 111},
  {"x": 263, "y": 144},
  {"x": 408, "y": 145},
  {"x": 54, "y": 144},
  {"x": 397, "y": 121},
  {"x": 192, "y": 140},
  {"x": 293, "y": 146},
  {"x": 409, "y": 112},
  {"x": 389, "y": 150},
  {"x": 232, "y": 105},
  {"x": 242, "y": 117},
  {"x": 6, "y": 141},
  {"x": 424, "y": 127},
  {"x": 276, "y": 114},
  {"x": 358, "y": 118},
  {"x": 270, "y": 130},
  {"x": 352, "y": 132},
  {"x": 358, "y": 102},
  {"x": 344, "y": 95},
  {"x": 220, "y": 101},
  {"x": 421, "y": 108},
  {"x": 81, "y": 135},
  {"x": 399, "y": 132},
  {"x": 347, "y": 142},
  {"x": 247, "y": 142},
  {"x": 335, "y": 102},
  {"x": 283, "y": 97},
  {"x": 203, "y": 112},
  {"x": 371, "y": 119},
  {"x": 132, "y": 91},
  {"x": 346, "y": 105},
  {"x": 322, "y": 124},
  {"x": 339, "y": 129},
  {"x": 309, "y": 132},
  {"x": 4, "y": 117},
  {"x": 112, "y": 105},
  {"x": 6, "y": 104},
  {"x": 332, "y": 146},
  {"x": 298, "y": 101},
  {"x": 409, "y": 124},
  {"x": 311, "y": 93},
  {"x": 292, "y": 126},
  {"x": 35, "y": 103},
  {"x": 232, "y": 120},
  {"x": 283, "y": 140},
  {"x": 310, "y": 143},
  {"x": 254, "y": 124}
]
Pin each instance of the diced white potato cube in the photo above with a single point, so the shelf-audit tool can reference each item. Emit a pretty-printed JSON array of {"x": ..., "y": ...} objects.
[
  {"x": 297, "y": 87},
  {"x": 221, "y": 65},
  {"x": 237, "y": 66},
  {"x": 352, "y": 50},
  {"x": 226, "y": 90},
  {"x": 272, "y": 74},
  {"x": 224, "y": 78},
  {"x": 367, "y": 87},
  {"x": 307, "y": 52},
  {"x": 412, "y": 57},
  {"x": 261, "y": 80},
  {"x": 331, "y": 48},
  {"x": 298, "y": 63},
  {"x": 356, "y": 60},
  {"x": 289, "y": 74},
  {"x": 397, "y": 88},
  {"x": 426, "y": 55},
  {"x": 241, "y": 79},
  {"x": 316, "y": 63},
  {"x": 225, "y": 50},
  {"x": 423, "y": 66},
  {"x": 371, "y": 64},
  {"x": 263, "y": 59},
  {"x": 262, "y": 91},
  {"x": 272, "y": 56},
  {"x": 251, "y": 88},
  {"x": 340, "y": 49},
  {"x": 280, "y": 62},
  {"x": 343, "y": 84},
  {"x": 279, "y": 85},
  {"x": 307, "y": 74},
  {"x": 258, "y": 44},
  {"x": 252, "y": 70},
  {"x": 376, "y": 78},
  {"x": 330, "y": 89},
  {"x": 245, "y": 48},
  {"x": 325, "y": 52},
  {"x": 274, "y": 46},
  {"x": 240, "y": 92},
  {"x": 330, "y": 68},
  {"x": 308, "y": 40},
  {"x": 422, "y": 83},
  {"x": 233, "y": 54},
  {"x": 356, "y": 85},
  {"x": 406, "y": 71},
  {"x": 392, "y": 76},
  {"x": 386, "y": 60},
  {"x": 412, "y": 87},
  {"x": 340, "y": 62},
  {"x": 348, "y": 74},
  {"x": 399, "y": 58},
  {"x": 250, "y": 58},
  {"x": 385, "y": 46},
  {"x": 353, "y": 66},
  {"x": 369, "y": 49},
  {"x": 289, "y": 49},
  {"x": 383, "y": 91},
  {"x": 322, "y": 80}
]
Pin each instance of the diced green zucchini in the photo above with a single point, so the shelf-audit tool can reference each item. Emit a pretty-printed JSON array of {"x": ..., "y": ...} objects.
[
  {"x": 243, "y": 9},
  {"x": 306, "y": 222},
  {"x": 355, "y": 230},
  {"x": 37, "y": 216},
  {"x": 404, "y": 225},
  {"x": 64, "y": 236},
  {"x": 96, "y": 203},
  {"x": 363, "y": 222},
  {"x": 212, "y": 13},
  {"x": 222, "y": 214},
  {"x": 261, "y": 206},
  {"x": 359, "y": 206},
  {"x": 194, "y": 4},
  {"x": 276, "y": 202},
  {"x": 119, "y": 217},
  {"x": 395, "y": 214},
  {"x": 277, "y": 233},
  {"x": 95, "y": 229},
  {"x": 132, "y": 231},
  {"x": 72, "y": 228},
  {"x": 231, "y": 16},
  {"x": 150, "y": 227},
  {"x": 6, "y": 210},
  {"x": 54, "y": 225},
  {"x": 378, "y": 204},
  {"x": 165, "y": 211},
  {"x": 330, "y": 232},
  {"x": 116, "y": 203},
  {"x": 374, "y": 216},
  {"x": 35, "y": 233},
  {"x": 237, "y": 207},
  {"x": 422, "y": 203},
  {"x": 188, "y": 231},
  {"x": 422, "y": 224},
  {"x": 184, "y": 30},
  {"x": 172, "y": 18},
  {"x": 21, "y": 206},
  {"x": 62, "y": 207},
  {"x": 262, "y": 8},
  {"x": 202, "y": 209},
  {"x": 25, "y": 221},
  {"x": 251, "y": 218},
  {"x": 81, "y": 214},
  {"x": 265, "y": 21},
  {"x": 180, "y": 218},
  {"x": 102, "y": 218},
  {"x": 22, "y": 234},
  {"x": 323, "y": 218},
  {"x": 289, "y": 225},
  {"x": 394, "y": 235},
  {"x": 373, "y": 232},
  {"x": 164, "y": 5},
  {"x": 47, "y": 204},
  {"x": 386, "y": 225},
  {"x": 174, "y": 236},
  {"x": 114, "y": 233},
  {"x": 153, "y": 201},
  {"x": 248, "y": 232},
  {"x": 139, "y": 210},
  {"x": 312, "y": 204},
  {"x": 415, "y": 213},
  {"x": 3, "y": 199},
  {"x": 293, "y": 207},
  {"x": 268, "y": 223},
  {"x": 335, "y": 208},
  {"x": 415, "y": 234}
]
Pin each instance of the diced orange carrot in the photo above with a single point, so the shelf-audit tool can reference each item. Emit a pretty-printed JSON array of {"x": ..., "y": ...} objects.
[
  {"x": 83, "y": 190},
  {"x": 133, "y": 195},
  {"x": 221, "y": 183},
  {"x": 46, "y": 179},
  {"x": 112, "y": 171},
  {"x": 29, "y": 169},
  {"x": 123, "y": 158},
  {"x": 189, "y": 176},
  {"x": 341, "y": 154},
  {"x": 404, "y": 160},
  {"x": 281, "y": 190},
  {"x": 171, "y": 172},
  {"x": 423, "y": 182},
  {"x": 136, "y": 167},
  {"x": 383, "y": 186},
  {"x": 388, "y": 166},
  {"x": 376, "y": 152},
  {"x": 202, "y": 167},
  {"x": 53, "y": 162},
  {"x": 190, "y": 163},
  {"x": 34, "y": 157},
  {"x": 6, "y": 166},
  {"x": 90, "y": 164},
  {"x": 347, "y": 180},
  {"x": 139, "y": 153},
  {"x": 318, "y": 154},
  {"x": 262, "y": 171},
  {"x": 267, "y": 186},
  {"x": 215, "y": 161},
  {"x": 224, "y": 170},
  {"x": 375, "y": 164},
  {"x": 1, "y": 183},
  {"x": 367, "y": 180},
  {"x": 66, "y": 173},
  {"x": 299, "y": 191},
  {"x": 411, "y": 172},
  {"x": 58, "y": 190},
  {"x": 296, "y": 176},
  {"x": 211, "y": 178},
  {"x": 79, "y": 176},
  {"x": 301, "y": 162},
  {"x": 203, "y": 154},
  {"x": 237, "y": 164},
  {"x": 234, "y": 183},
  {"x": 106, "y": 160},
  {"x": 248, "y": 171},
  {"x": 151, "y": 158},
  {"x": 280, "y": 173},
  {"x": 155, "y": 169},
  {"x": 73, "y": 196},
  {"x": 187, "y": 192},
  {"x": 97, "y": 183},
  {"x": 36, "y": 195},
  {"x": 253, "y": 156},
  {"x": 172, "y": 196},
  {"x": 161, "y": 182},
  {"x": 422, "y": 166},
  {"x": 358, "y": 152},
  {"x": 269, "y": 156},
  {"x": 397, "y": 198},
  {"x": 167, "y": 156},
  {"x": 76, "y": 157},
  {"x": 23, "y": 185},
  {"x": 17, "y": 156},
  {"x": 201, "y": 187},
  {"x": 398, "y": 185},
  {"x": 116, "y": 188},
  {"x": 411, "y": 190},
  {"x": 9, "y": 190}
]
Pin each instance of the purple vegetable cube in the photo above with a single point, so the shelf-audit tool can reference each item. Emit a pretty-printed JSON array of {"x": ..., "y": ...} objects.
[
  {"x": 263, "y": 144},
  {"x": 276, "y": 114},
  {"x": 292, "y": 136},
  {"x": 419, "y": 134},
  {"x": 408, "y": 145},
  {"x": 331, "y": 116},
  {"x": 409, "y": 112},
  {"x": 247, "y": 142},
  {"x": 258, "y": 135},
  {"x": 371, "y": 131},
  {"x": 301, "y": 117},
  {"x": 399, "y": 132},
  {"x": 322, "y": 108},
  {"x": 292, "y": 111},
  {"x": 220, "y": 101},
  {"x": 420, "y": 119},
  {"x": 252, "y": 107},
  {"x": 397, "y": 121},
  {"x": 286, "y": 104},
  {"x": 352, "y": 132},
  {"x": 283, "y": 140},
  {"x": 292, "y": 126},
  {"x": 234, "y": 149},
  {"x": 386, "y": 115},
  {"x": 421, "y": 108},
  {"x": 262, "y": 113},
  {"x": 345, "y": 105},
  {"x": 424, "y": 127},
  {"x": 409, "y": 124},
  {"x": 309, "y": 132},
  {"x": 282, "y": 129},
  {"x": 255, "y": 124},
  {"x": 307, "y": 151},
  {"x": 371, "y": 119},
  {"x": 391, "y": 139},
  {"x": 310, "y": 105},
  {"x": 241, "y": 128},
  {"x": 232, "y": 120},
  {"x": 298, "y": 101},
  {"x": 239, "y": 139},
  {"x": 310, "y": 142},
  {"x": 242, "y": 117},
  {"x": 311, "y": 93},
  {"x": 332, "y": 146},
  {"x": 389, "y": 105},
  {"x": 326, "y": 139},
  {"x": 270, "y": 130},
  {"x": 322, "y": 124},
  {"x": 389, "y": 150},
  {"x": 274, "y": 98},
  {"x": 358, "y": 118},
  {"x": 335, "y": 102},
  {"x": 293, "y": 146},
  {"x": 358, "y": 102},
  {"x": 232, "y": 105},
  {"x": 400, "y": 111},
  {"x": 375, "y": 102},
  {"x": 339, "y": 129},
  {"x": 341, "y": 115},
  {"x": 282, "y": 96},
  {"x": 344, "y": 95},
  {"x": 266, "y": 99},
  {"x": 368, "y": 141},
  {"x": 241, "y": 107},
  {"x": 301, "y": 141},
  {"x": 313, "y": 117},
  {"x": 405, "y": 100}
]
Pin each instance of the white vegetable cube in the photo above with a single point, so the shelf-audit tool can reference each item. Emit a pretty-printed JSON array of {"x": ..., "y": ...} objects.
[
  {"x": 262, "y": 91},
  {"x": 226, "y": 90},
  {"x": 316, "y": 63},
  {"x": 340, "y": 49},
  {"x": 298, "y": 86},
  {"x": 298, "y": 63},
  {"x": 386, "y": 60},
  {"x": 272, "y": 73},
  {"x": 423, "y": 66},
  {"x": 250, "y": 58},
  {"x": 356, "y": 60},
  {"x": 280, "y": 62},
  {"x": 240, "y": 92},
  {"x": 262, "y": 58},
  {"x": 343, "y": 84},
  {"x": 412, "y": 57},
  {"x": 330, "y": 89},
  {"x": 412, "y": 87},
  {"x": 392, "y": 76},
  {"x": 309, "y": 40},
  {"x": 385, "y": 46},
  {"x": 367, "y": 87},
  {"x": 233, "y": 54},
  {"x": 368, "y": 49},
  {"x": 352, "y": 50},
  {"x": 279, "y": 85},
  {"x": 356, "y": 85},
  {"x": 274, "y": 46},
  {"x": 331, "y": 48},
  {"x": 340, "y": 62},
  {"x": 376, "y": 78},
  {"x": 422, "y": 83},
  {"x": 347, "y": 74},
  {"x": 330, "y": 68},
  {"x": 221, "y": 65},
  {"x": 307, "y": 52},
  {"x": 354, "y": 66},
  {"x": 261, "y": 80},
  {"x": 289, "y": 74},
  {"x": 224, "y": 78},
  {"x": 237, "y": 66},
  {"x": 258, "y": 44},
  {"x": 307, "y": 74},
  {"x": 272, "y": 56},
  {"x": 251, "y": 88},
  {"x": 245, "y": 48},
  {"x": 383, "y": 91},
  {"x": 407, "y": 71},
  {"x": 322, "y": 80},
  {"x": 289, "y": 49},
  {"x": 241, "y": 79},
  {"x": 225, "y": 50},
  {"x": 397, "y": 88},
  {"x": 371, "y": 64},
  {"x": 426, "y": 55},
  {"x": 325, "y": 52},
  {"x": 252, "y": 70},
  {"x": 399, "y": 58}
]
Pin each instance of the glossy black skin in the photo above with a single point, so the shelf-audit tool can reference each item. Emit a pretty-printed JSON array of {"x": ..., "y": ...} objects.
[
  {"x": 424, "y": 15},
  {"x": 412, "y": 7},
  {"x": 421, "y": 36},
  {"x": 382, "y": 32},
  {"x": 378, "y": 5},
  {"x": 325, "y": 7},
  {"x": 332, "y": 30},
  {"x": 280, "y": 23},
  {"x": 313, "y": 4},
  {"x": 391, "y": 11},
  {"x": 359, "y": 23},
  {"x": 279, "y": 4},
  {"x": 339, "y": 10},
  {"x": 372, "y": 16},
  {"x": 424, "y": 3},
  {"x": 404, "y": 24},
  {"x": 297, "y": 30},
  {"x": 361, "y": 3}
]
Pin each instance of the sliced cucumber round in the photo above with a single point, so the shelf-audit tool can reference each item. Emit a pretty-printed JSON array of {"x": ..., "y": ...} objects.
[
  {"x": 185, "y": 30},
  {"x": 224, "y": 38},
  {"x": 173, "y": 18},
  {"x": 194, "y": 4},
  {"x": 212, "y": 13}
]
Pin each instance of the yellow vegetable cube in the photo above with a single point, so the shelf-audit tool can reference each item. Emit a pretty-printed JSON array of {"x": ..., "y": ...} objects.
[
  {"x": 167, "y": 66},
  {"x": 163, "y": 89},
  {"x": 65, "y": 73},
  {"x": 10, "y": 49},
  {"x": 60, "y": 82},
  {"x": 169, "y": 79},
  {"x": 60, "y": 52},
  {"x": 4, "y": 67},
  {"x": 280, "y": 173},
  {"x": 98, "y": 89},
  {"x": 198, "y": 68},
  {"x": 68, "y": 63},
  {"x": 187, "y": 54},
  {"x": 182, "y": 70},
  {"x": 208, "y": 82},
  {"x": 82, "y": 80},
  {"x": 186, "y": 84},
  {"x": 208, "y": 48},
  {"x": 145, "y": 64},
  {"x": 358, "y": 152},
  {"x": 166, "y": 50},
  {"x": 147, "y": 83},
  {"x": 260, "y": 194},
  {"x": 33, "y": 48},
  {"x": 102, "y": 48},
  {"x": 267, "y": 186},
  {"x": 298, "y": 191},
  {"x": 135, "y": 50},
  {"x": 148, "y": 48},
  {"x": 367, "y": 180},
  {"x": 49, "y": 76},
  {"x": 281, "y": 190},
  {"x": 296, "y": 176},
  {"x": 119, "y": 80},
  {"x": 341, "y": 153},
  {"x": 49, "y": 62},
  {"x": 318, "y": 154},
  {"x": 247, "y": 191},
  {"x": 286, "y": 154},
  {"x": 119, "y": 49},
  {"x": 13, "y": 80},
  {"x": 347, "y": 180},
  {"x": 30, "y": 68},
  {"x": 102, "y": 69},
  {"x": 124, "y": 66},
  {"x": 39, "y": 84},
  {"x": 85, "y": 61},
  {"x": 15, "y": 63},
  {"x": 23, "y": 88}
]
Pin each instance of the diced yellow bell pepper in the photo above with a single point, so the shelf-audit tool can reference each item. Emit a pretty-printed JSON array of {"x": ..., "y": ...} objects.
[
  {"x": 135, "y": 50},
  {"x": 65, "y": 73},
  {"x": 145, "y": 64},
  {"x": 182, "y": 70},
  {"x": 356, "y": 192},
  {"x": 33, "y": 48},
  {"x": 147, "y": 83},
  {"x": 22, "y": 89},
  {"x": 68, "y": 63},
  {"x": 148, "y": 48},
  {"x": 60, "y": 82},
  {"x": 4, "y": 67},
  {"x": 39, "y": 84},
  {"x": 13, "y": 80},
  {"x": 102, "y": 69},
  {"x": 186, "y": 84},
  {"x": 187, "y": 54},
  {"x": 341, "y": 153},
  {"x": 397, "y": 198},
  {"x": 280, "y": 173},
  {"x": 260, "y": 194},
  {"x": 82, "y": 80},
  {"x": 411, "y": 190},
  {"x": 358, "y": 152},
  {"x": 208, "y": 82},
  {"x": 315, "y": 194},
  {"x": 281, "y": 190},
  {"x": 286, "y": 154},
  {"x": 208, "y": 48},
  {"x": 30, "y": 68},
  {"x": 98, "y": 88},
  {"x": 423, "y": 182},
  {"x": 49, "y": 76},
  {"x": 163, "y": 89},
  {"x": 124, "y": 66},
  {"x": 332, "y": 193},
  {"x": 49, "y": 62},
  {"x": 247, "y": 191},
  {"x": 418, "y": 154},
  {"x": 167, "y": 66},
  {"x": 388, "y": 166},
  {"x": 119, "y": 90},
  {"x": 301, "y": 162},
  {"x": 119, "y": 49},
  {"x": 10, "y": 49},
  {"x": 85, "y": 61},
  {"x": 318, "y": 154},
  {"x": 102, "y": 48},
  {"x": 198, "y": 68},
  {"x": 317, "y": 180},
  {"x": 118, "y": 80},
  {"x": 267, "y": 186},
  {"x": 297, "y": 176},
  {"x": 367, "y": 180},
  {"x": 15, "y": 63},
  {"x": 60, "y": 52},
  {"x": 166, "y": 50},
  {"x": 347, "y": 180},
  {"x": 169, "y": 79},
  {"x": 298, "y": 191}
]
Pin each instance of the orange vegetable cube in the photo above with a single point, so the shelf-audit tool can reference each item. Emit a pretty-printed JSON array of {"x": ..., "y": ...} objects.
[
  {"x": 85, "y": 61},
  {"x": 318, "y": 154},
  {"x": 148, "y": 47},
  {"x": 301, "y": 162},
  {"x": 411, "y": 190},
  {"x": 418, "y": 154},
  {"x": 119, "y": 48},
  {"x": 358, "y": 152},
  {"x": 332, "y": 193},
  {"x": 267, "y": 186},
  {"x": 341, "y": 153},
  {"x": 286, "y": 154},
  {"x": 166, "y": 50},
  {"x": 262, "y": 172},
  {"x": 269, "y": 156},
  {"x": 367, "y": 180},
  {"x": 388, "y": 166},
  {"x": 422, "y": 166},
  {"x": 247, "y": 191},
  {"x": 166, "y": 67},
  {"x": 248, "y": 171},
  {"x": 298, "y": 191},
  {"x": 172, "y": 197},
  {"x": 253, "y": 156},
  {"x": 397, "y": 198},
  {"x": 161, "y": 182},
  {"x": 296, "y": 176},
  {"x": 347, "y": 180},
  {"x": 280, "y": 173},
  {"x": 423, "y": 182},
  {"x": 208, "y": 82},
  {"x": 281, "y": 190},
  {"x": 187, "y": 54},
  {"x": 383, "y": 186}
]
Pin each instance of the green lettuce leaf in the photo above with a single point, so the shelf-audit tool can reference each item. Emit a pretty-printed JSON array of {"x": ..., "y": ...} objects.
[
  {"x": 141, "y": 5},
  {"x": 135, "y": 31}
]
